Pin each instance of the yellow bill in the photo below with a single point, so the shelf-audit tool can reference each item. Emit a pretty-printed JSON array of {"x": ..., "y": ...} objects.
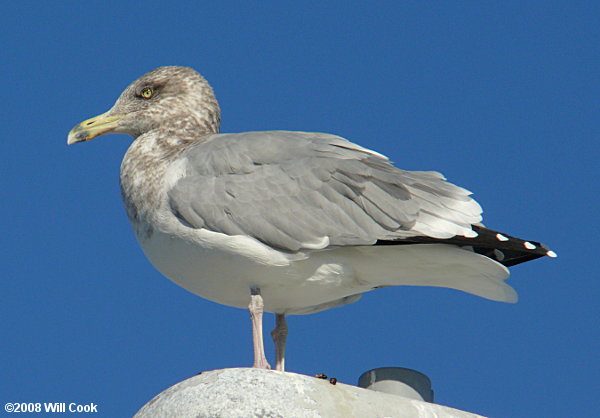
[{"x": 91, "y": 128}]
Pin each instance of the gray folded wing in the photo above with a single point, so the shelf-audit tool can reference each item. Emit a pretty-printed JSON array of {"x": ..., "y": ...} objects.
[{"x": 294, "y": 190}]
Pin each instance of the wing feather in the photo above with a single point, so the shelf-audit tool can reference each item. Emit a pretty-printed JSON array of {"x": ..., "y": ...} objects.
[{"x": 294, "y": 190}]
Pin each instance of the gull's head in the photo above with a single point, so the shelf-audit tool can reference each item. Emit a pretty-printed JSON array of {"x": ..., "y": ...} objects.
[{"x": 173, "y": 98}]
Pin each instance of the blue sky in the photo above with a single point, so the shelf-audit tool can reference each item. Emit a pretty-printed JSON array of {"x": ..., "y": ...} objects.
[{"x": 502, "y": 97}]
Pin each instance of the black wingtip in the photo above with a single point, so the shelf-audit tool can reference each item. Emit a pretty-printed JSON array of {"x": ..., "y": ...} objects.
[{"x": 503, "y": 248}]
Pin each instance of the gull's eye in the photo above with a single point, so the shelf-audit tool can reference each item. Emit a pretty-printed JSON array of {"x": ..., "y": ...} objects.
[{"x": 146, "y": 93}]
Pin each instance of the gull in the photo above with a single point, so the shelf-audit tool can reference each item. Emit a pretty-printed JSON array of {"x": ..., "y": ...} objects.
[{"x": 288, "y": 222}]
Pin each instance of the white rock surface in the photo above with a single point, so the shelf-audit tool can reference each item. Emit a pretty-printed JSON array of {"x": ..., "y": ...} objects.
[{"x": 245, "y": 392}]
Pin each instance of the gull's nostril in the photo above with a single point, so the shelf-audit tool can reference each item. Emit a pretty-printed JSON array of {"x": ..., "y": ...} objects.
[{"x": 89, "y": 123}]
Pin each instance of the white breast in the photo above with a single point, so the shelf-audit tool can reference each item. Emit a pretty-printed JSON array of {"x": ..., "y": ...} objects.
[{"x": 223, "y": 269}]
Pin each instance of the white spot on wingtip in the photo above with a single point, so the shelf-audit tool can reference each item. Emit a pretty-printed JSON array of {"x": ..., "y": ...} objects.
[
  {"x": 501, "y": 237},
  {"x": 551, "y": 254},
  {"x": 529, "y": 245},
  {"x": 471, "y": 234},
  {"x": 499, "y": 255}
]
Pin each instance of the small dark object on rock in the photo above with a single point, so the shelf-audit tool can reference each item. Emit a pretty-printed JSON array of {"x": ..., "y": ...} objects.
[
  {"x": 321, "y": 376},
  {"x": 333, "y": 380}
]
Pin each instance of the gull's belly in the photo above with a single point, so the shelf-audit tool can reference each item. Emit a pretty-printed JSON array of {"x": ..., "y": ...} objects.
[
  {"x": 224, "y": 272},
  {"x": 224, "y": 268}
]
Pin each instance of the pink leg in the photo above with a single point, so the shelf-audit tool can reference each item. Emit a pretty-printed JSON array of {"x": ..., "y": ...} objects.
[
  {"x": 279, "y": 335},
  {"x": 256, "y": 313}
]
